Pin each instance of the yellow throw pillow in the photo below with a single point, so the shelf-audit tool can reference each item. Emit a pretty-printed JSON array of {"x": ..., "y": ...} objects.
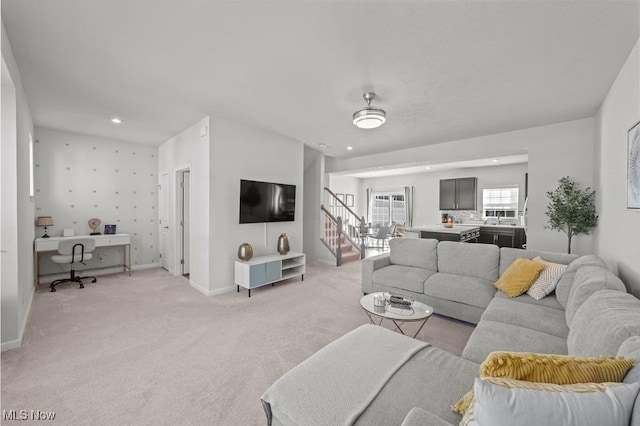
[
  {"x": 519, "y": 277},
  {"x": 548, "y": 368},
  {"x": 558, "y": 369}
]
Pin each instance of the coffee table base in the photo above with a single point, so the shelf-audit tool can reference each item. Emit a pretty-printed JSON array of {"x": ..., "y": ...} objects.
[{"x": 395, "y": 322}]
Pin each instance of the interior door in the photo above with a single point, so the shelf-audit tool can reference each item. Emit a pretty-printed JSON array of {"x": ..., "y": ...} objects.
[
  {"x": 163, "y": 220},
  {"x": 186, "y": 214}
]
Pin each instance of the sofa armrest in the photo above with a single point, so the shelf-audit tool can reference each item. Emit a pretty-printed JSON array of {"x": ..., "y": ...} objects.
[
  {"x": 419, "y": 417},
  {"x": 369, "y": 266}
]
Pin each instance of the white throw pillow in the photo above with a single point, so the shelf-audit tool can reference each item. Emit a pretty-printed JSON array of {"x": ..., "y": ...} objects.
[
  {"x": 497, "y": 405},
  {"x": 547, "y": 280}
]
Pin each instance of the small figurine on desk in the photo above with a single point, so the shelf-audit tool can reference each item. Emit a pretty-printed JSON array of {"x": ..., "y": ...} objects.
[{"x": 93, "y": 224}]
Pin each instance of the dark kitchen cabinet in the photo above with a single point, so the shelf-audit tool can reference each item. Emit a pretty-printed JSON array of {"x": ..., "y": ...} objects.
[
  {"x": 503, "y": 236},
  {"x": 458, "y": 194}
]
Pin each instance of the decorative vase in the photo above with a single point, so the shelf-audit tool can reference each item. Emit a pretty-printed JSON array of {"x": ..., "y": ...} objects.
[
  {"x": 245, "y": 251},
  {"x": 283, "y": 244}
]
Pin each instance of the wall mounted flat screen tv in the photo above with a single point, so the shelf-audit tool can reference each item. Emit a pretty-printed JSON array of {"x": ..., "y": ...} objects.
[{"x": 266, "y": 202}]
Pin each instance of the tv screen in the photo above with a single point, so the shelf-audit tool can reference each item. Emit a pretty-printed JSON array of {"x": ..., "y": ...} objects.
[{"x": 266, "y": 202}]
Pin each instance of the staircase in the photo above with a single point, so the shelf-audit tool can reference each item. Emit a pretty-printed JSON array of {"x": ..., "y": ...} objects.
[{"x": 341, "y": 233}]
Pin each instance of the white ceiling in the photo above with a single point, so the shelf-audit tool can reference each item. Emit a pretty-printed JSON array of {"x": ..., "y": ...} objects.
[
  {"x": 443, "y": 70},
  {"x": 426, "y": 167}
]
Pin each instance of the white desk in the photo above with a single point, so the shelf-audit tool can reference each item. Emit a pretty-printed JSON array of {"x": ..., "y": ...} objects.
[{"x": 48, "y": 245}]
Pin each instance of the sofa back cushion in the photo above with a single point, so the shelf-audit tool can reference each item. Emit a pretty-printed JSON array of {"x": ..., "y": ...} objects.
[
  {"x": 416, "y": 252},
  {"x": 508, "y": 255},
  {"x": 631, "y": 349},
  {"x": 566, "y": 280},
  {"x": 603, "y": 322},
  {"x": 471, "y": 260},
  {"x": 588, "y": 280}
]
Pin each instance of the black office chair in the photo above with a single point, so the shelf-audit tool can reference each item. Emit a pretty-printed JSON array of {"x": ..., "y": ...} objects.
[{"x": 72, "y": 251}]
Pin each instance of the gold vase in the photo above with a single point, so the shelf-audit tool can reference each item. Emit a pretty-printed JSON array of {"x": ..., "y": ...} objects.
[
  {"x": 283, "y": 244},
  {"x": 245, "y": 251}
]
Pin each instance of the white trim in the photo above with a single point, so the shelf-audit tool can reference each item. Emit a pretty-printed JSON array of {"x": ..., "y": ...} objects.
[
  {"x": 16, "y": 343},
  {"x": 147, "y": 266},
  {"x": 212, "y": 292}
]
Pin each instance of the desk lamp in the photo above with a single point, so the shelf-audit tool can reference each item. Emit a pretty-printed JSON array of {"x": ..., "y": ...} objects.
[{"x": 44, "y": 221}]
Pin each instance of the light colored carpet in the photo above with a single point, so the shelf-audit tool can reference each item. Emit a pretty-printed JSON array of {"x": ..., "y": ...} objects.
[{"x": 149, "y": 349}]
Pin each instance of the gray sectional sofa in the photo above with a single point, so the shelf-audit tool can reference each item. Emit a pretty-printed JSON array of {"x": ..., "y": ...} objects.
[
  {"x": 358, "y": 379},
  {"x": 455, "y": 279}
]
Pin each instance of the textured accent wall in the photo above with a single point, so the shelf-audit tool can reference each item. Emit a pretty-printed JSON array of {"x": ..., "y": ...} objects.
[{"x": 78, "y": 177}]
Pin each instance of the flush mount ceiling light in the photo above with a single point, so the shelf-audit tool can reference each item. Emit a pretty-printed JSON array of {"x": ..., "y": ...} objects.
[
  {"x": 369, "y": 117},
  {"x": 116, "y": 120}
]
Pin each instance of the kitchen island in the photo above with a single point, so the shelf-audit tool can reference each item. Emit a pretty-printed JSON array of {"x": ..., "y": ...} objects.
[{"x": 462, "y": 233}]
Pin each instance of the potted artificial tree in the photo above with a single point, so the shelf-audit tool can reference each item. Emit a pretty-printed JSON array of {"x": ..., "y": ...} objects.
[{"x": 571, "y": 209}]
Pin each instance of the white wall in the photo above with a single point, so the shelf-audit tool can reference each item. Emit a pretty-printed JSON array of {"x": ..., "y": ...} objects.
[
  {"x": 556, "y": 150},
  {"x": 17, "y": 211},
  {"x": 426, "y": 197},
  {"x": 189, "y": 150},
  {"x": 350, "y": 185},
  {"x": 314, "y": 179},
  {"x": 79, "y": 177},
  {"x": 617, "y": 238},
  {"x": 241, "y": 152}
]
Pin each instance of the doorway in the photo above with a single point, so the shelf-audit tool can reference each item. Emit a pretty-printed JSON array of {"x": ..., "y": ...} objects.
[
  {"x": 163, "y": 200},
  {"x": 184, "y": 209}
]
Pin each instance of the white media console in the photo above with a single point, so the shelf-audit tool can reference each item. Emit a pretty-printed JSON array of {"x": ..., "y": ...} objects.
[{"x": 269, "y": 269}]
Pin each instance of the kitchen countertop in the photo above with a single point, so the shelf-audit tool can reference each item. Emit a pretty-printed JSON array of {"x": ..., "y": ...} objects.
[{"x": 457, "y": 228}]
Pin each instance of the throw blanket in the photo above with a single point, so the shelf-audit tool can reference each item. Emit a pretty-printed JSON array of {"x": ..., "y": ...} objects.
[{"x": 337, "y": 384}]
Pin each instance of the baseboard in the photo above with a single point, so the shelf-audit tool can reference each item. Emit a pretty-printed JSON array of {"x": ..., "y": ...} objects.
[
  {"x": 197, "y": 287},
  {"x": 222, "y": 290},
  {"x": 16, "y": 343},
  {"x": 212, "y": 292},
  {"x": 147, "y": 266}
]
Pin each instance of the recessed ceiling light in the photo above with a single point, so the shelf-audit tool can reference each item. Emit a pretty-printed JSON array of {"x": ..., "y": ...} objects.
[
  {"x": 495, "y": 160},
  {"x": 428, "y": 167},
  {"x": 349, "y": 148},
  {"x": 116, "y": 120},
  {"x": 323, "y": 145}
]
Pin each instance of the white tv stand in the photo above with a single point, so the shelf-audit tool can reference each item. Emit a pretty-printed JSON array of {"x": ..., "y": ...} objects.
[{"x": 269, "y": 269}]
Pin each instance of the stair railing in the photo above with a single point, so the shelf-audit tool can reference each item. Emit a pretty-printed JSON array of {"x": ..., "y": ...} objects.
[
  {"x": 353, "y": 225},
  {"x": 331, "y": 230}
]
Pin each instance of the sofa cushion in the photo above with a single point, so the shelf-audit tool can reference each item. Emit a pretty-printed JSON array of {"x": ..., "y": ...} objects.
[
  {"x": 518, "y": 277},
  {"x": 490, "y": 336},
  {"x": 587, "y": 281},
  {"x": 603, "y": 323},
  {"x": 630, "y": 348},
  {"x": 550, "y": 301},
  {"x": 535, "y": 317},
  {"x": 419, "y": 417},
  {"x": 416, "y": 252},
  {"x": 460, "y": 288},
  {"x": 566, "y": 279},
  {"x": 426, "y": 381},
  {"x": 508, "y": 255},
  {"x": 405, "y": 277},
  {"x": 471, "y": 260}
]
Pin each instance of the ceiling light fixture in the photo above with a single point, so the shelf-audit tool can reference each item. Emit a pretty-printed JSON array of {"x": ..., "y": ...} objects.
[
  {"x": 428, "y": 167},
  {"x": 323, "y": 145},
  {"x": 349, "y": 148},
  {"x": 369, "y": 117},
  {"x": 116, "y": 120},
  {"x": 495, "y": 160}
]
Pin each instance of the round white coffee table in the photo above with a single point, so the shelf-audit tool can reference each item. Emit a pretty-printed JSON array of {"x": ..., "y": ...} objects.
[{"x": 417, "y": 312}]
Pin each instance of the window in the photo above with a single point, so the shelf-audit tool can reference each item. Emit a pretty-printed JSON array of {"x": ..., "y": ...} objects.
[
  {"x": 500, "y": 202},
  {"x": 387, "y": 207}
]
